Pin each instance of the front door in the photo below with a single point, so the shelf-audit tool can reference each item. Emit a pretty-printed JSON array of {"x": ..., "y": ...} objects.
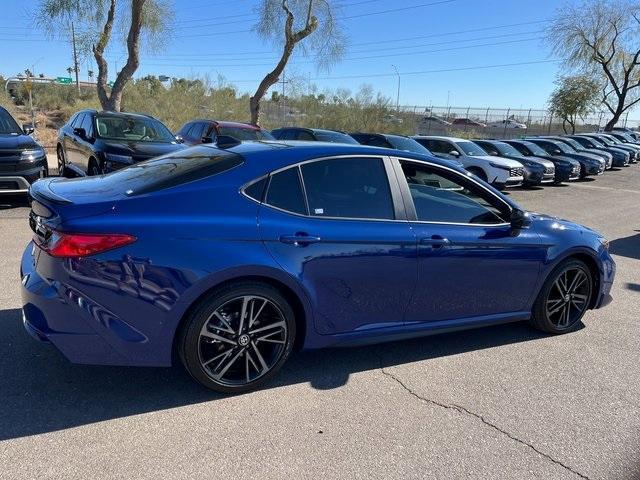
[
  {"x": 471, "y": 263},
  {"x": 338, "y": 228}
]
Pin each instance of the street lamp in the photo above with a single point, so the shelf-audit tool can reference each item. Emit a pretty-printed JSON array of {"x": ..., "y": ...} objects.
[{"x": 398, "y": 94}]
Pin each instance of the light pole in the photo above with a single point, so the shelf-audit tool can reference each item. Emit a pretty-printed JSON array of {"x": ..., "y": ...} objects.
[{"x": 398, "y": 94}]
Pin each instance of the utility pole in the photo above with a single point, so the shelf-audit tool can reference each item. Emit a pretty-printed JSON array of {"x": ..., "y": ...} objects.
[
  {"x": 75, "y": 57},
  {"x": 398, "y": 93}
]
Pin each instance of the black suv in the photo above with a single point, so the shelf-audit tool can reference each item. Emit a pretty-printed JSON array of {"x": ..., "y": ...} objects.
[
  {"x": 93, "y": 143},
  {"x": 22, "y": 160}
]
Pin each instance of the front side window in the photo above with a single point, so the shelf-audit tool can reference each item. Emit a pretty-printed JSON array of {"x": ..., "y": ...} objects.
[
  {"x": 348, "y": 188},
  {"x": 441, "y": 196},
  {"x": 534, "y": 148},
  {"x": 506, "y": 149},
  {"x": 130, "y": 128},
  {"x": 8, "y": 125},
  {"x": 304, "y": 135},
  {"x": 87, "y": 124},
  {"x": 471, "y": 149},
  {"x": 285, "y": 192}
]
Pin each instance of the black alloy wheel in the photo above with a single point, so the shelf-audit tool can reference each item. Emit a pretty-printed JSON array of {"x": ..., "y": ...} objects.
[
  {"x": 61, "y": 162},
  {"x": 564, "y": 298},
  {"x": 239, "y": 337}
]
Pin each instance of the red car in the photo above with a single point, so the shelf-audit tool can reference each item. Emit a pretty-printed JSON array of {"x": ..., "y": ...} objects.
[
  {"x": 207, "y": 131},
  {"x": 467, "y": 122}
]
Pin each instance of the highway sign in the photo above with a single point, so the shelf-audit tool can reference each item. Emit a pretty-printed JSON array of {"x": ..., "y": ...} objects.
[{"x": 64, "y": 80}]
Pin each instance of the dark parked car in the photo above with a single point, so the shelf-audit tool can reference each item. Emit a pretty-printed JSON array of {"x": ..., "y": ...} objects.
[
  {"x": 399, "y": 142},
  {"x": 589, "y": 165},
  {"x": 93, "y": 143},
  {"x": 608, "y": 141},
  {"x": 621, "y": 157},
  {"x": 309, "y": 246},
  {"x": 576, "y": 147},
  {"x": 566, "y": 168},
  {"x": 22, "y": 160},
  {"x": 536, "y": 171},
  {"x": 624, "y": 139},
  {"x": 207, "y": 131},
  {"x": 312, "y": 135}
]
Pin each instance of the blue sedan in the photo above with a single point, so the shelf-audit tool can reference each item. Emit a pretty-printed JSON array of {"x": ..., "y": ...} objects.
[{"x": 229, "y": 258}]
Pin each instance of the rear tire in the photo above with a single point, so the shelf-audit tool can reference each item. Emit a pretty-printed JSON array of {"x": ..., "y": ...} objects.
[
  {"x": 233, "y": 353},
  {"x": 94, "y": 168},
  {"x": 564, "y": 298},
  {"x": 62, "y": 168}
]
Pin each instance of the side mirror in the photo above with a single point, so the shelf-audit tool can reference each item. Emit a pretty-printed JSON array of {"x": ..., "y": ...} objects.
[
  {"x": 207, "y": 140},
  {"x": 179, "y": 139},
  {"x": 454, "y": 153},
  {"x": 519, "y": 219},
  {"x": 28, "y": 128},
  {"x": 80, "y": 132},
  {"x": 557, "y": 152}
]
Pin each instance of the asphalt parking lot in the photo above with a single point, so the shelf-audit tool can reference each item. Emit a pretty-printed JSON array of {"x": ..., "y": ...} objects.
[{"x": 500, "y": 402}]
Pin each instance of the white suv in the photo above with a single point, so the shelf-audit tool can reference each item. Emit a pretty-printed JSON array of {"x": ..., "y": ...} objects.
[{"x": 500, "y": 172}]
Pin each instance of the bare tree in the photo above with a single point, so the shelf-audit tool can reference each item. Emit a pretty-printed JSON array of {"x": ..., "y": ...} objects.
[
  {"x": 602, "y": 37},
  {"x": 140, "y": 19},
  {"x": 575, "y": 97},
  {"x": 309, "y": 23}
]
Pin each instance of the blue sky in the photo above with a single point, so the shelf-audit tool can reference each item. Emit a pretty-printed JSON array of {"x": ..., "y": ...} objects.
[{"x": 443, "y": 49}]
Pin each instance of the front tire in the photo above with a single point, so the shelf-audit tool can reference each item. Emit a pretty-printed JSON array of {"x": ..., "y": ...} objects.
[
  {"x": 62, "y": 169},
  {"x": 238, "y": 338},
  {"x": 564, "y": 298}
]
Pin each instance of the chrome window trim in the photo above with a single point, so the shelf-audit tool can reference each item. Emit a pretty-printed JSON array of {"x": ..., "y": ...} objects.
[{"x": 455, "y": 172}]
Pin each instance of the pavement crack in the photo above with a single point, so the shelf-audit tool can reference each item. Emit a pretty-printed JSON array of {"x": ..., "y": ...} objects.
[{"x": 466, "y": 411}]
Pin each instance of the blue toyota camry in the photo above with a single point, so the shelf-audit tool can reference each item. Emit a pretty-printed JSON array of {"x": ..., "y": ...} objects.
[{"x": 228, "y": 258}]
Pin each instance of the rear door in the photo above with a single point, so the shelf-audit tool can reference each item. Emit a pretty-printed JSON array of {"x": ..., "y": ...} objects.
[
  {"x": 72, "y": 145},
  {"x": 471, "y": 263},
  {"x": 338, "y": 226}
]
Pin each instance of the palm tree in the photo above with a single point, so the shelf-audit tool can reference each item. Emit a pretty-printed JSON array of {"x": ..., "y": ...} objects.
[{"x": 90, "y": 74}]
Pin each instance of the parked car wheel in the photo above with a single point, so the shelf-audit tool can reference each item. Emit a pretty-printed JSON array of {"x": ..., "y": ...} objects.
[
  {"x": 62, "y": 169},
  {"x": 238, "y": 338},
  {"x": 94, "y": 168},
  {"x": 564, "y": 298}
]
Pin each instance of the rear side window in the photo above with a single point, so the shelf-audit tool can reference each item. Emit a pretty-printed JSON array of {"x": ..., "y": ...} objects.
[
  {"x": 172, "y": 170},
  {"x": 77, "y": 122},
  {"x": 348, "y": 188},
  {"x": 87, "y": 124},
  {"x": 285, "y": 192},
  {"x": 304, "y": 135}
]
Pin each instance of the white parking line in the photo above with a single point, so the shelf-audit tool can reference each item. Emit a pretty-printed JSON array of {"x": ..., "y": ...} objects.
[{"x": 605, "y": 188}]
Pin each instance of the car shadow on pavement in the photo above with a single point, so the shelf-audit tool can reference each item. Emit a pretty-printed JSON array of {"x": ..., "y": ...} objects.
[
  {"x": 13, "y": 201},
  {"x": 627, "y": 246},
  {"x": 40, "y": 391}
]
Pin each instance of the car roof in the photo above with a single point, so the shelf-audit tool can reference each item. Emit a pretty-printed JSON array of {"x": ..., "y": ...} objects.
[
  {"x": 273, "y": 154},
  {"x": 436, "y": 137},
  {"x": 227, "y": 123}
]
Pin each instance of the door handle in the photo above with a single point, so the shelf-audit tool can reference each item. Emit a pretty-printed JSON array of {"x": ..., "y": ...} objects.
[
  {"x": 299, "y": 239},
  {"x": 436, "y": 241}
]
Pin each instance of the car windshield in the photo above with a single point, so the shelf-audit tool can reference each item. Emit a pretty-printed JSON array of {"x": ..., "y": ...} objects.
[
  {"x": 535, "y": 149},
  {"x": 471, "y": 149},
  {"x": 597, "y": 142},
  {"x": 605, "y": 140},
  {"x": 132, "y": 129},
  {"x": 245, "y": 133},
  {"x": 334, "y": 137},
  {"x": 573, "y": 143},
  {"x": 8, "y": 125},
  {"x": 407, "y": 144},
  {"x": 506, "y": 149},
  {"x": 613, "y": 139},
  {"x": 563, "y": 147}
]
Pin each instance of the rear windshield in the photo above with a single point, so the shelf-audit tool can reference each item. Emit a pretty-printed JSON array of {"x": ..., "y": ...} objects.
[
  {"x": 407, "y": 144},
  {"x": 8, "y": 125},
  {"x": 334, "y": 137},
  {"x": 246, "y": 133},
  {"x": 173, "y": 169}
]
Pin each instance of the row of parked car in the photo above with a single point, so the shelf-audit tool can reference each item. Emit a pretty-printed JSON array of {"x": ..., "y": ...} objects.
[{"x": 93, "y": 143}]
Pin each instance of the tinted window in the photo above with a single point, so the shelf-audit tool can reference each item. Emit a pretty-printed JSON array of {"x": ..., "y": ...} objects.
[
  {"x": 471, "y": 149},
  {"x": 256, "y": 190},
  {"x": 7, "y": 124},
  {"x": 489, "y": 148},
  {"x": 172, "y": 169},
  {"x": 303, "y": 135},
  {"x": 197, "y": 131},
  {"x": 77, "y": 122},
  {"x": 506, "y": 149},
  {"x": 407, "y": 144},
  {"x": 87, "y": 124},
  {"x": 440, "y": 146},
  {"x": 535, "y": 149},
  {"x": 185, "y": 128},
  {"x": 246, "y": 133},
  {"x": 334, "y": 137},
  {"x": 285, "y": 192},
  {"x": 348, "y": 188},
  {"x": 441, "y": 196}
]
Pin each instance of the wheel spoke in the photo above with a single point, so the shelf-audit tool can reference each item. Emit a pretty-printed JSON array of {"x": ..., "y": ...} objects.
[
  {"x": 225, "y": 325},
  {"x": 559, "y": 286},
  {"x": 224, "y": 354},
  {"x": 265, "y": 338},
  {"x": 243, "y": 313},
  {"x": 260, "y": 359},
  {"x": 280, "y": 324},
  {"x": 219, "y": 338},
  {"x": 557, "y": 306},
  {"x": 220, "y": 374},
  {"x": 254, "y": 316}
]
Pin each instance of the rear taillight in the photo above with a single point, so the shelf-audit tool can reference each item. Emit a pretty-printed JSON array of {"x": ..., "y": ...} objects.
[{"x": 62, "y": 244}]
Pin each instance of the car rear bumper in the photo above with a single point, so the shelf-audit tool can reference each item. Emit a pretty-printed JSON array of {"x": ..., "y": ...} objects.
[{"x": 50, "y": 315}]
